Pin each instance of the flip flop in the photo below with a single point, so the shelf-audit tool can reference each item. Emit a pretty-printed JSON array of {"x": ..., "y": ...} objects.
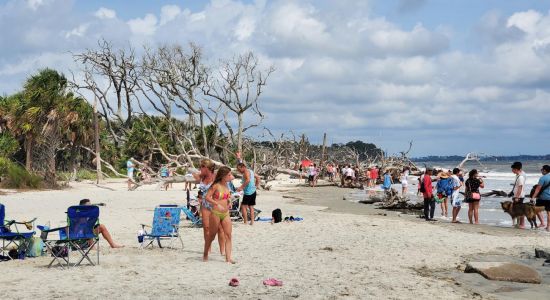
[
  {"x": 273, "y": 282},
  {"x": 234, "y": 282}
]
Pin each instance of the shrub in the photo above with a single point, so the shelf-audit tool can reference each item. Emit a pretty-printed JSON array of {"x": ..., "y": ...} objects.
[
  {"x": 8, "y": 145},
  {"x": 16, "y": 177}
]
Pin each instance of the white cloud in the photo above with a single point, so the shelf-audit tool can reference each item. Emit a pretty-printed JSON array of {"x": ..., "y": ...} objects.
[
  {"x": 35, "y": 4},
  {"x": 169, "y": 13},
  {"x": 245, "y": 28},
  {"x": 105, "y": 13},
  {"x": 526, "y": 21},
  {"x": 144, "y": 26},
  {"x": 348, "y": 71},
  {"x": 78, "y": 31}
]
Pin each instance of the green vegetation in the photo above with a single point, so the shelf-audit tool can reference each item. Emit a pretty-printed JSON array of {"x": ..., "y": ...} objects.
[{"x": 15, "y": 176}]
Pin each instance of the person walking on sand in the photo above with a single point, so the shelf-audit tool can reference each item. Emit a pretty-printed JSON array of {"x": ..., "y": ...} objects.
[
  {"x": 130, "y": 167},
  {"x": 519, "y": 188},
  {"x": 219, "y": 198},
  {"x": 456, "y": 202},
  {"x": 541, "y": 196},
  {"x": 250, "y": 183},
  {"x": 473, "y": 197},
  {"x": 404, "y": 179},
  {"x": 311, "y": 173},
  {"x": 427, "y": 193},
  {"x": 205, "y": 177}
]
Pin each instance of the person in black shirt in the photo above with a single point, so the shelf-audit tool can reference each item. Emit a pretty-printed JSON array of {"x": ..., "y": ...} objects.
[{"x": 473, "y": 197}]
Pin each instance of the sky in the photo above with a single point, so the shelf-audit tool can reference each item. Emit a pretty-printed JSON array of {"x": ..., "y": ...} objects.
[{"x": 451, "y": 76}]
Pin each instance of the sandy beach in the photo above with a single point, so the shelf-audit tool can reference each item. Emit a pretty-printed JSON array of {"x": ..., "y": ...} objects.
[{"x": 340, "y": 250}]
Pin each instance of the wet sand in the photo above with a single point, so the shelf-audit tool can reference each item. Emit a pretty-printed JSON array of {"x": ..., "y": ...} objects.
[{"x": 332, "y": 198}]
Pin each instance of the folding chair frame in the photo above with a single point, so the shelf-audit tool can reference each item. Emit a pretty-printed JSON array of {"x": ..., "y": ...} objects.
[
  {"x": 18, "y": 239},
  {"x": 70, "y": 245}
]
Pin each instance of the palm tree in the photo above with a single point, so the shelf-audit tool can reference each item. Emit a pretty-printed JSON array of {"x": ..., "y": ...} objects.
[{"x": 47, "y": 116}]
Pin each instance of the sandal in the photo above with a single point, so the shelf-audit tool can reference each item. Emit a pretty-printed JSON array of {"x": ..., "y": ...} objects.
[
  {"x": 273, "y": 282},
  {"x": 234, "y": 282}
]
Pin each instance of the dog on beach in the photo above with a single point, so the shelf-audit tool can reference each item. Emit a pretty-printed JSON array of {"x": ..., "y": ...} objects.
[{"x": 522, "y": 209}]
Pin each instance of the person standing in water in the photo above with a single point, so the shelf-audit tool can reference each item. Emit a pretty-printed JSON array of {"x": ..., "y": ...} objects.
[
  {"x": 250, "y": 183},
  {"x": 473, "y": 197},
  {"x": 219, "y": 198}
]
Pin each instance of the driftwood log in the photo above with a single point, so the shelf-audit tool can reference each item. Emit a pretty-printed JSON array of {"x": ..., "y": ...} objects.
[{"x": 392, "y": 200}]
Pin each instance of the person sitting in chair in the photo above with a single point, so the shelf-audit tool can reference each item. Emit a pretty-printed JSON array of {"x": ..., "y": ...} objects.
[{"x": 102, "y": 229}]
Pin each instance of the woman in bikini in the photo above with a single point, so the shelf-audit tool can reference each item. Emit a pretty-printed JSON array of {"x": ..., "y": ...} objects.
[
  {"x": 219, "y": 197},
  {"x": 205, "y": 178}
]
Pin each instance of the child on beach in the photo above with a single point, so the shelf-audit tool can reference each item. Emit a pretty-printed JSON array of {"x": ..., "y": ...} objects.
[{"x": 456, "y": 202}]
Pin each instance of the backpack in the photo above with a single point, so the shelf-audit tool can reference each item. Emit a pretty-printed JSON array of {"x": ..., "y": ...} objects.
[{"x": 277, "y": 215}]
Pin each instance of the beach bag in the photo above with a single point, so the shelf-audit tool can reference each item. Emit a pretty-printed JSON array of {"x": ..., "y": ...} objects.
[
  {"x": 473, "y": 195},
  {"x": 60, "y": 251},
  {"x": 36, "y": 247},
  {"x": 277, "y": 215}
]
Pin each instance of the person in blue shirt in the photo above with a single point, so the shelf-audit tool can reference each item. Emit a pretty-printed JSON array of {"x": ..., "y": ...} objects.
[
  {"x": 387, "y": 181},
  {"x": 130, "y": 166},
  {"x": 542, "y": 196},
  {"x": 250, "y": 183}
]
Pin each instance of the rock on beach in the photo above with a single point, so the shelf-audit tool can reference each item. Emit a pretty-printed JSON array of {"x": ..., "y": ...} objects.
[{"x": 504, "y": 271}]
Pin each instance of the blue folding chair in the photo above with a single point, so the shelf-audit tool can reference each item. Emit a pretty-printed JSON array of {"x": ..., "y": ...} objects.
[
  {"x": 80, "y": 236},
  {"x": 196, "y": 221},
  {"x": 11, "y": 236},
  {"x": 166, "y": 224}
]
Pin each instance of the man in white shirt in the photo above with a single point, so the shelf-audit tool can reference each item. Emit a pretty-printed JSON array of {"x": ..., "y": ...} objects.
[{"x": 519, "y": 188}]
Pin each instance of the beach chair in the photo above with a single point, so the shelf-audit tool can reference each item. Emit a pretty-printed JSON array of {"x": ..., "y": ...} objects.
[
  {"x": 196, "y": 221},
  {"x": 79, "y": 236},
  {"x": 166, "y": 224},
  {"x": 234, "y": 210},
  {"x": 12, "y": 237}
]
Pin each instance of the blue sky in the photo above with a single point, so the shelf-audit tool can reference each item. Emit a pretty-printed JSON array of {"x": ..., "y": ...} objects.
[{"x": 453, "y": 76}]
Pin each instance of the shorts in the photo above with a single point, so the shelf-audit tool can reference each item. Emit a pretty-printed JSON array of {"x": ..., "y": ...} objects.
[
  {"x": 545, "y": 203},
  {"x": 310, "y": 177},
  {"x": 349, "y": 178},
  {"x": 455, "y": 200},
  {"x": 249, "y": 200},
  {"x": 404, "y": 184},
  {"x": 130, "y": 174}
]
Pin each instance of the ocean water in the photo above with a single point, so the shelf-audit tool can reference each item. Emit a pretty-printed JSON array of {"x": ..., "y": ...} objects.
[{"x": 497, "y": 176}]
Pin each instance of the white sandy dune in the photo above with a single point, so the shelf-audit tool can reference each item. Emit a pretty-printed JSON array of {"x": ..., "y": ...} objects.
[{"x": 327, "y": 255}]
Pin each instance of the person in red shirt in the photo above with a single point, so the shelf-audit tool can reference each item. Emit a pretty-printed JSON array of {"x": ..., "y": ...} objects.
[{"x": 429, "y": 201}]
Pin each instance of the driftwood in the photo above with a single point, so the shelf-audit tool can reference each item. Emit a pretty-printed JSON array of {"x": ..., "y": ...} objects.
[{"x": 392, "y": 200}]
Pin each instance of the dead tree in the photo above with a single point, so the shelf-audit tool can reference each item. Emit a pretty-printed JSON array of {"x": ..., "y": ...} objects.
[
  {"x": 108, "y": 74},
  {"x": 239, "y": 85}
]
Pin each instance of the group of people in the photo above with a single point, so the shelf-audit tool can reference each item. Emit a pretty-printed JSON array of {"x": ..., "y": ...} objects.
[
  {"x": 450, "y": 183},
  {"x": 215, "y": 202},
  {"x": 145, "y": 172},
  {"x": 214, "y": 197},
  {"x": 447, "y": 188}
]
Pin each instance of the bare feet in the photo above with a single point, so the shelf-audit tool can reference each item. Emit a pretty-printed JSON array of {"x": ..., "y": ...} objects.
[
  {"x": 205, "y": 258},
  {"x": 117, "y": 246},
  {"x": 231, "y": 262}
]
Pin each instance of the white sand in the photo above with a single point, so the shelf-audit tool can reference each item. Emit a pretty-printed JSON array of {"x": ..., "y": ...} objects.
[{"x": 372, "y": 257}]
